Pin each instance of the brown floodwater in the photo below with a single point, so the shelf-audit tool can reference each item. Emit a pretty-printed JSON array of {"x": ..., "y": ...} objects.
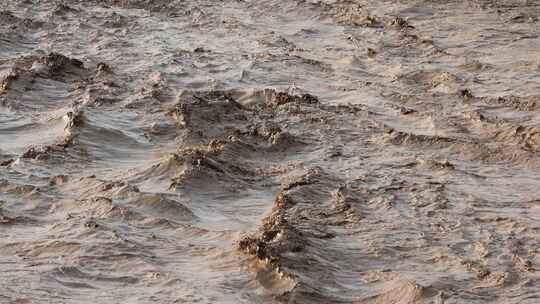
[{"x": 304, "y": 151}]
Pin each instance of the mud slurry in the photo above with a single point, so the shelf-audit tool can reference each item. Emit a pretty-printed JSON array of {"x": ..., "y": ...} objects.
[{"x": 269, "y": 152}]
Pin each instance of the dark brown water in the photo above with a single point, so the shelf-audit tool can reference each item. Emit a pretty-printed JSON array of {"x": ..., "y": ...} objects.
[{"x": 269, "y": 151}]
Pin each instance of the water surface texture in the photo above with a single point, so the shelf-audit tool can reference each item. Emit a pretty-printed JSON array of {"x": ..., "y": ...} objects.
[{"x": 269, "y": 151}]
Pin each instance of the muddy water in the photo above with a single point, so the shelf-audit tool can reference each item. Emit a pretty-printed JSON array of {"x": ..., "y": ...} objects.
[{"x": 269, "y": 151}]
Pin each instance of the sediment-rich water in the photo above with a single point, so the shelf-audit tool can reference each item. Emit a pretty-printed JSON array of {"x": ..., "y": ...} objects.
[{"x": 269, "y": 151}]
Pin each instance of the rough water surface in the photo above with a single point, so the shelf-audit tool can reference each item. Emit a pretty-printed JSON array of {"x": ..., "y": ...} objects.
[{"x": 304, "y": 151}]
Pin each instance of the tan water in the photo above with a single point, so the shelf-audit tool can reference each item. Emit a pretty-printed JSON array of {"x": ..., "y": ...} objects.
[{"x": 269, "y": 151}]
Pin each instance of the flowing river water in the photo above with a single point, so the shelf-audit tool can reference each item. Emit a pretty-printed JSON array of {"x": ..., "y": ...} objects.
[{"x": 272, "y": 151}]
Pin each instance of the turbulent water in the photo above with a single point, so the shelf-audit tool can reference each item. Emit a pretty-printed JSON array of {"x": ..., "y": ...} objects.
[{"x": 303, "y": 151}]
